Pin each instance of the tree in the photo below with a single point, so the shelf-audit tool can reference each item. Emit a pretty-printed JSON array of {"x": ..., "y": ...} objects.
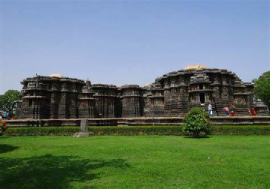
[
  {"x": 7, "y": 100},
  {"x": 196, "y": 123},
  {"x": 262, "y": 88}
]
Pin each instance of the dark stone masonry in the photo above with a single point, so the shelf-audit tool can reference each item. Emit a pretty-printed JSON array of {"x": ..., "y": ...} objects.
[{"x": 172, "y": 95}]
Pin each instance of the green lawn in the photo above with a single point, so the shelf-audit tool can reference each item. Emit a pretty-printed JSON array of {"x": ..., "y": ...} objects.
[{"x": 135, "y": 162}]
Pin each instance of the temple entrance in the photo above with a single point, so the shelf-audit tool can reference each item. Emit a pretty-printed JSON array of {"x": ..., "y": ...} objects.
[{"x": 202, "y": 98}]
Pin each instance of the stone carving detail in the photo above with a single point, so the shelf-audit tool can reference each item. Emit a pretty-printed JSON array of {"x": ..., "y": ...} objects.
[
  {"x": 199, "y": 78},
  {"x": 240, "y": 100}
]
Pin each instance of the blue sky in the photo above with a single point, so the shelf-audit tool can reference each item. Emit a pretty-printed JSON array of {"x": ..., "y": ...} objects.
[{"x": 130, "y": 42}]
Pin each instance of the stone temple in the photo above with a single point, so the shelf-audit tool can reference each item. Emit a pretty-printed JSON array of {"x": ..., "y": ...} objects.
[{"x": 172, "y": 95}]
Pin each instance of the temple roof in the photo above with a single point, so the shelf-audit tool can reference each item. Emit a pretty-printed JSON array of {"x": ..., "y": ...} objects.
[
  {"x": 56, "y": 75},
  {"x": 195, "y": 66}
]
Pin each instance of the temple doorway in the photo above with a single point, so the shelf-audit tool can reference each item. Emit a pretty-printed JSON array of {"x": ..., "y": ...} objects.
[{"x": 202, "y": 98}]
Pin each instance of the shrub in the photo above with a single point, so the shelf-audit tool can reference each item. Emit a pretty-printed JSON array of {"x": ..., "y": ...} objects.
[
  {"x": 104, "y": 130},
  {"x": 3, "y": 127},
  {"x": 241, "y": 130},
  {"x": 41, "y": 131},
  {"x": 135, "y": 130},
  {"x": 196, "y": 123}
]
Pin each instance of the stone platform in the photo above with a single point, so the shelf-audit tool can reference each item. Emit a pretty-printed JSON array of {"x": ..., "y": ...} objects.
[{"x": 142, "y": 121}]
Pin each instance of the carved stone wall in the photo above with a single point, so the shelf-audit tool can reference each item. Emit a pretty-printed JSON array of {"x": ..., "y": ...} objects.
[
  {"x": 185, "y": 89},
  {"x": 171, "y": 95},
  {"x": 132, "y": 102},
  {"x": 105, "y": 96},
  {"x": 86, "y": 102}
]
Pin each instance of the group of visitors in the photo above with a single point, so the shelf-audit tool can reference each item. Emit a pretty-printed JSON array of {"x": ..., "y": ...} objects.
[{"x": 229, "y": 111}]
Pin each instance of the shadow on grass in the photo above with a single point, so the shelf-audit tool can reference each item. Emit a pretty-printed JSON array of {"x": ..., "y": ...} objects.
[
  {"x": 52, "y": 171},
  {"x": 6, "y": 148},
  {"x": 200, "y": 137}
]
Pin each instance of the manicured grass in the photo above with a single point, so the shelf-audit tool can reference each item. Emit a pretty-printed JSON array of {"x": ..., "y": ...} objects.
[{"x": 135, "y": 162}]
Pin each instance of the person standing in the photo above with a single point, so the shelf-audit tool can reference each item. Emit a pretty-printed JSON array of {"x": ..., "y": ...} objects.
[
  {"x": 210, "y": 111},
  {"x": 232, "y": 110},
  {"x": 4, "y": 114},
  {"x": 252, "y": 111},
  {"x": 226, "y": 109}
]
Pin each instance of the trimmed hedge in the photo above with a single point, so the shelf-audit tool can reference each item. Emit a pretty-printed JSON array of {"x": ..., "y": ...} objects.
[
  {"x": 241, "y": 130},
  {"x": 41, "y": 131},
  {"x": 134, "y": 130},
  {"x": 109, "y": 130}
]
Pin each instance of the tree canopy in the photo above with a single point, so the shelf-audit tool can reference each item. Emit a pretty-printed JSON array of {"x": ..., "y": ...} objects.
[
  {"x": 262, "y": 88},
  {"x": 7, "y": 100}
]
